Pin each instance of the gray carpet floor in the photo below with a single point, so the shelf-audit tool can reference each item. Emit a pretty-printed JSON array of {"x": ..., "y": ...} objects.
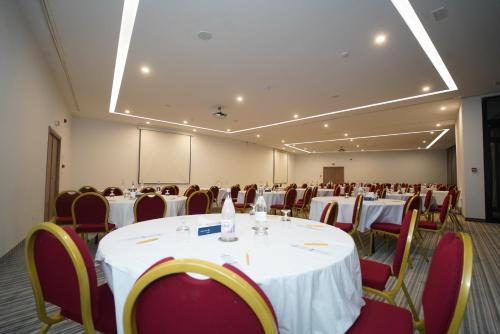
[{"x": 18, "y": 313}]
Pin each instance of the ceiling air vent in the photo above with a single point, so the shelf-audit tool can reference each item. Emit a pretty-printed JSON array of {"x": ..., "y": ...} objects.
[
  {"x": 341, "y": 149},
  {"x": 219, "y": 113}
]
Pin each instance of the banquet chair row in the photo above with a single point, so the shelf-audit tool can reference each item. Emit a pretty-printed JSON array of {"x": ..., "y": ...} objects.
[{"x": 62, "y": 273}]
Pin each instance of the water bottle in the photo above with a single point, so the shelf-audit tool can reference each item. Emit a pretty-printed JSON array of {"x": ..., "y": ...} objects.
[
  {"x": 228, "y": 218},
  {"x": 260, "y": 209},
  {"x": 133, "y": 190}
]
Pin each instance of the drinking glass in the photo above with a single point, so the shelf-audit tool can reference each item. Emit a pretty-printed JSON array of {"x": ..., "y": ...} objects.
[
  {"x": 183, "y": 227},
  {"x": 252, "y": 211},
  {"x": 285, "y": 218}
]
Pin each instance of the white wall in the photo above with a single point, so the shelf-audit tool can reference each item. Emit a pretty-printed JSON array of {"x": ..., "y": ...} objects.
[
  {"x": 106, "y": 153},
  {"x": 29, "y": 103},
  {"x": 469, "y": 137},
  {"x": 393, "y": 166}
]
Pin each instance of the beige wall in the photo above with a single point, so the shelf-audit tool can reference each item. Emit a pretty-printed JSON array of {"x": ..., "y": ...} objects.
[
  {"x": 410, "y": 166},
  {"x": 30, "y": 102},
  {"x": 106, "y": 153}
]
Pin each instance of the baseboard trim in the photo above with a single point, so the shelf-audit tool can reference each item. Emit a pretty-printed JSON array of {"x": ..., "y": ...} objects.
[
  {"x": 477, "y": 220},
  {"x": 7, "y": 255}
]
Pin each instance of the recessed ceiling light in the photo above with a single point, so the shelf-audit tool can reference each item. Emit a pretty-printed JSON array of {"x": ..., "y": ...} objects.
[
  {"x": 442, "y": 108},
  {"x": 127, "y": 111},
  {"x": 145, "y": 69},
  {"x": 148, "y": 122},
  {"x": 239, "y": 98},
  {"x": 357, "y": 146},
  {"x": 362, "y": 150},
  {"x": 438, "y": 125},
  {"x": 204, "y": 35},
  {"x": 423, "y": 141},
  {"x": 295, "y": 116},
  {"x": 426, "y": 88},
  {"x": 325, "y": 125},
  {"x": 194, "y": 130},
  {"x": 283, "y": 141},
  {"x": 185, "y": 122},
  {"x": 346, "y": 134},
  {"x": 380, "y": 39},
  {"x": 258, "y": 136},
  {"x": 432, "y": 132},
  {"x": 228, "y": 130},
  {"x": 351, "y": 140},
  {"x": 419, "y": 148}
]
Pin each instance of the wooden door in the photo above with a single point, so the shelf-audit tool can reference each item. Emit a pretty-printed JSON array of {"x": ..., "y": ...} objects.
[
  {"x": 333, "y": 174},
  {"x": 52, "y": 173}
]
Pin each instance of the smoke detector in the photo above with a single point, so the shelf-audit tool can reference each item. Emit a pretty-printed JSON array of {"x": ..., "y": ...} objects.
[{"x": 219, "y": 113}]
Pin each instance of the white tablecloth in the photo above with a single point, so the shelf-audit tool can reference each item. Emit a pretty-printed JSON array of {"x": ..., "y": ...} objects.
[
  {"x": 316, "y": 291},
  {"x": 220, "y": 196},
  {"x": 405, "y": 196},
  {"x": 439, "y": 195},
  {"x": 121, "y": 210},
  {"x": 384, "y": 210},
  {"x": 271, "y": 197}
]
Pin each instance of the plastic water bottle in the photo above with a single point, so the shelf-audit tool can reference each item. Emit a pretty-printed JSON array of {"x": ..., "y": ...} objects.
[
  {"x": 260, "y": 209},
  {"x": 228, "y": 231}
]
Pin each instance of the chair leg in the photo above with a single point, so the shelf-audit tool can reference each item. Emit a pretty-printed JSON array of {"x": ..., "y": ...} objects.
[
  {"x": 360, "y": 242},
  {"x": 372, "y": 245},
  {"x": 410, "y": 302}
]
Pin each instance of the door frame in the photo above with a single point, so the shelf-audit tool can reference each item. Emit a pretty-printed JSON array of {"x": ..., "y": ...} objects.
[{"x": 48, "y": 171}]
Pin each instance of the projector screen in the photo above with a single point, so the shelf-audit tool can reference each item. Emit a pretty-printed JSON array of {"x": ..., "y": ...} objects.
[
  {"x": 280, "y": 167},
  {"x": 164, "y": 157}
]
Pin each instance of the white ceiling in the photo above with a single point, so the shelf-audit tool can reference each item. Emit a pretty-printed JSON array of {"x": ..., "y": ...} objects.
[{"x": 284, "y": 57}]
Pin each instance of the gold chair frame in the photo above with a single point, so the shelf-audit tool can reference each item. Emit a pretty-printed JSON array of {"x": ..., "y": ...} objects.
[
  {"x": 243, "y": 210},
  {"x": 305, "y": 205},
  {"x": 149, "y": 195},
  {"x": 218, "y": 273},
  {"x": 189, "y": 200},
  {"x": 81, "y": 274},
  {"x": 287, "y": 193},
  {"x": 53, "y": 219},
  {"x": 333, "y": 204},
  {"x": 389, "y": 295}
]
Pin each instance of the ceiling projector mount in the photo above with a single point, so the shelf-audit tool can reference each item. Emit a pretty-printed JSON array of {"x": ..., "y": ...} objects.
[{"x": 219, "y": 113}]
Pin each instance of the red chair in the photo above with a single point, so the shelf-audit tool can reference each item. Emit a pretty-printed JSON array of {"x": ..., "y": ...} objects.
[
  {"x": 444, "y": 298},
  {"x": 197, "y": 203},
  {"x": 304, "y": 185},
  {"x": 90, "y": 213},
  {"x": 314, "y": 192},
  {"x": 330, "y": 213},
  {"x": 302, "y": 205},
  {"x": 189, "y": 191},
  {"x": 88, "y": 189},
  {"x": 427, "y": 204},
  {"x": 288, "y": 201},
  {"x": 352, "y": 227},
  {"x": 149, "y": 206},
  {"x": 196, "y": 187},
  {"x": 437, "y": 209},
  {"x": 336, "y": 192},
  {"x": 171, "y": 190},
  {"x": 249, "y": 199},
  {"x": 64, "y": 201},
  {"x": 210, "y": 199},
  {"x": 215, "y": 194},
  {"x": 176, "y": 190},
  {"x": 234, "y": 192},
  {"x": 430, "y": 225},
  {"x": 147, "y": 190},
  {"x": 62, "y": 273},
  {"x": 166, "y": 299},
  {"x": 375, "y": 275},
  {"x": 115, "y": 190}
]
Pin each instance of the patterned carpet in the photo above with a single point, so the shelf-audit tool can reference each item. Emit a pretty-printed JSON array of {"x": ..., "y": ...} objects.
[{"x": 18, "y": 313}]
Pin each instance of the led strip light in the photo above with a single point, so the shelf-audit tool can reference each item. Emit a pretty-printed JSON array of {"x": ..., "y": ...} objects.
[
  {"x": 294, "y": 145},
  {"x": 402, "y": 6}
]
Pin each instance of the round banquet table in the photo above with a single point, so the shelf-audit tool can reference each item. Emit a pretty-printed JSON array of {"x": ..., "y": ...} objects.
[
  {"x": 313, "y": 289},
  {"x": 382, "y": 210},
  {"x": 405, "y": 196},
  {"x": 121, "y": 210},
  {"x": 271, "y": 197}
]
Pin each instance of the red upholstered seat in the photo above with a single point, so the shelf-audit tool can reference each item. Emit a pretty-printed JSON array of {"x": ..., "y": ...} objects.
[
  {"x": 387, "y": 227},
  {"x": 427, "y": 224},
  {"x": 381, "y": 318},
  {"x": 58, "y": 277},
  {"x": 90, "y": 213},
  {"x": 249, "y": 198},
  {"x": 149, "y": 206},
  {"x": 374, "y": 274},
  {"x": 346, "y": 227},
  {"x": 179, "y": 303},
  {"x": 63, "y": 204}
]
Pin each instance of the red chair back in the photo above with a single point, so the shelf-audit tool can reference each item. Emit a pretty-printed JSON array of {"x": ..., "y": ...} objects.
[
  {"x": 447, "y": 287},
  {"x": 64, "y": 201},
  {"x": 290, "y": 197},
  {"x": 170, "y": 300},
  {"x": 330, "y": 213},
  {"x": 215, "y": 192},
  {"x": 87, "y": 189},
  {"x": 314, "y": 192},
  {"x": 356, "y": 211},
  {"x": 337, "y": 190},
  {"x": 176, "y": 190},
  {"x": 307, "y": 196},
  {"x": 250, "y": 196},
  {"x": 196, "y": 187},
  {"x": 90, "y": 208},
  {"x": 171, "y": 190},
  {"x": 116, "y": 191},
  {"x": 406, "y": 231},
  {"x": 189, "y": 191},
  {"x": 149, "y": 206},
  {"x": 197, "y": 203},
  {"x": 147, "y": 190},
  {"x": 454, "y": 198},
  {"x": 427, "y": 201},
  {"x": 234, "y": 191},
  {"x": 210, "y": 199},
  {"x": 444, "y": 209},
  {"x": 304, "y": 185}
]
